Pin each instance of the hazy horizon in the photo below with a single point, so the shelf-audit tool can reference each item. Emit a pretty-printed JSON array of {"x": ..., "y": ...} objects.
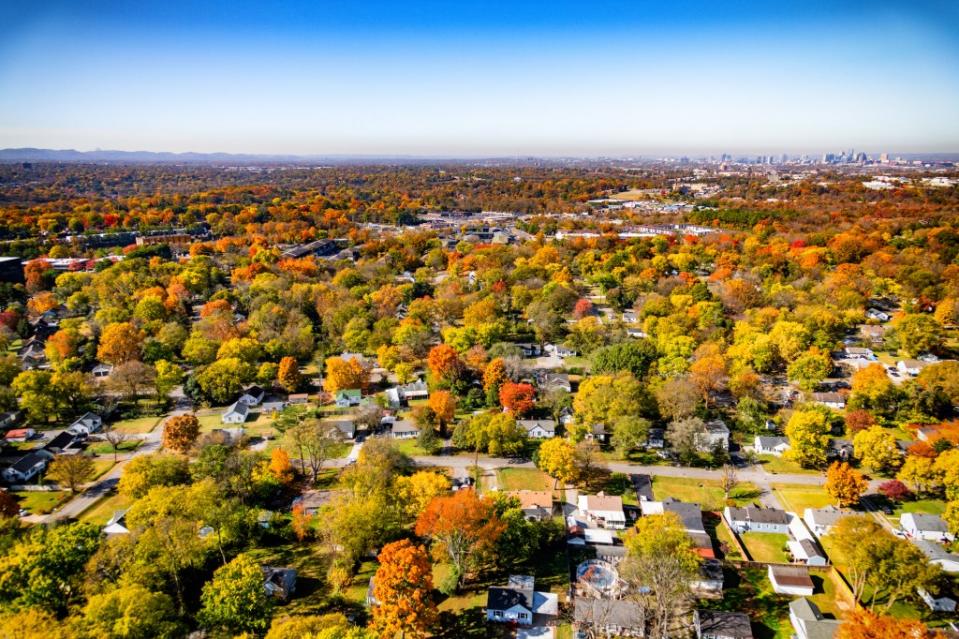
[{"x": 480, "y": 80}]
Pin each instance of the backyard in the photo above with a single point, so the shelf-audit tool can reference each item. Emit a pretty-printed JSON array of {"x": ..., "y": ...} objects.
[
  {"x": 708, "y": 493},
  {"x": 766, "y": 547},
  {"x": 41, "y": 502}
]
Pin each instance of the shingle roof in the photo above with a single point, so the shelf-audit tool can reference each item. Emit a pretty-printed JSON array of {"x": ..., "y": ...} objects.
[{"x": 724, "y": 624}]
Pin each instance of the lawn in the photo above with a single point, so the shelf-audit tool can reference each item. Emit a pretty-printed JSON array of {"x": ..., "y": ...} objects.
[
  {"x": 797, "y": 498},
  {"x": 722, "y": 537},
  {"x": 137, "y": 425},
  {"x": 766, "y": 547},
  {"x": 773, "y": 464},
  {"x": 41, "y": 502},
  {"x": 523, "y": 479},
  {"x": 101, "y": 511},
  {"x": 749, "y": 591},
  {"x": 102, "y": 466},
  {"x": 313, "y": 593},
  {"x": 705, "y": 492},
  {"x": 105, "y": 448},
  {"x": 927, "y": 506},
  {"x": 409, "y": 447}
]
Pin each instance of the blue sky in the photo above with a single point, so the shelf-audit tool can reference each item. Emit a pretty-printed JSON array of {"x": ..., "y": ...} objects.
[{"x": 481, "y": 78}]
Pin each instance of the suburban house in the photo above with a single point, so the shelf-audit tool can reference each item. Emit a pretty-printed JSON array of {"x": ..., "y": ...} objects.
[
  {"x": 347, "y": 427},
  {"x": 911, "y": 367},
  {"x": 928, "y": 527},
  {"x": 877, "y": 314},
  {"x": 538, "y": 428},
  {"x": 857, "y": 352},
  {"x": 597, "y": 433},
  {"x": 821, "y": 520},
  {"x": 537, "y": 505},
  {"x": 714, "y": 624},
  {"x": 807, "y": 551},
  {"x": 311, "y": 501},
  {"x": 554, "y": 382},
  {"x": 937, "y": 604},
  {"x": 404, "y": 430},
  {"x": 20, "y": 434},
  {"x": 66, "y": 443},
  {"x": 101, "y": 371},
  {"x": 296, "y": 399},
  {"x": 518, "y": 602},
  {"x": 415, "y": 390},
  {"x": 348, "y": 397},
  {"x": 604, "y": 511},
  {"x": 771, "y": 445},
  {"x": 26, "y": 468},
  {"x": 279, "y": 582},
  {"x": 808, "y": 621},
  {"x": 938, "y": 555},
  {"x": 117, "y": 525},
  {"x": 716, "y": 436},
  {"x": 656, "y": 438},
  {"x": 841, "y": 449},
  {"x": 86, "y": 424},
  {"x": 791, "y": 580},
  {"x": 829, "y": 399},
  {"x": 530, "y": 350},
  {"x": 750, "y": 518},
  {"x": 236, "y": 413},
  {"x": 692, "y": 518},
  {"x": 872, "y": 334},
  {"x": 609, "y": 617},
  {"x": 252, "y": 396}
]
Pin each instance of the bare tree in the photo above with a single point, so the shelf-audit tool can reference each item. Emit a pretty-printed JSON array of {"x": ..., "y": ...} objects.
[
  {"x": 661, "y": 587},
  {"x": 314, "y": 441},
  {"x": 729, "y": 479},
  {"x": 131, "y": 379},
  {"x": 115, "y": 438}
]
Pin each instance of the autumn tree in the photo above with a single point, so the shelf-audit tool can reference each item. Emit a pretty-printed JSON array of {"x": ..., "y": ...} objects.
[
  {"x": 660, "y": 564},
  {"x": 872, "y": 388},
  {"x": 71, "y": 471},
  {"x": 222, "y": 381},
  {"x": 708, "y": 374},
  {"x": 844, "y": 484},
  {"x": 877, "y": 449},
  {"x": 167, "y": 376},
  {"x": 894, "y": 490},
  {"x": 857, "y": 420},
  {"x": 120, "y": 342},
  {"x": 863, "y": 624},
  {"x": 494, "y": 375},
  {"x": 235, "y": 599},
  {"x": 444, "y": 363},
  {"x": 288, "y": 374},
  {"x": 808, "y": 433},
  {"x": 602, "y": 399},
  {"x": 462, "y": 528},
  {"x": 180, "y": 432},
  {"x": 280, "y": 466},
  {"x": 132, "y": 610},
  {"x": 131, "y": 379},
  {"x": 557, "y": 458},
  {"x": 918, "y": 333},
  {"x": 344, "y": 374},
  {"x": 810, "y": 368},
  {"x": 416, "y": 491},
  {"x": 921, "y": 474},
  {"x": 145, "y": 472},
  {"x": 518, "y": 399},
  {"x": 402, "y": 589},
  {"x": 443, "y": 405},
  {"x": 677, "y": 398}
]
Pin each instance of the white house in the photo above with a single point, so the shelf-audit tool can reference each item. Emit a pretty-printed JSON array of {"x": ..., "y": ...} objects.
[
  {"x": 117, "y": 524},
  {"x": 771, "y": 445},
  {"x": 938, "y": 555},
  {"x": 857, "y": 352},
  {"x": 821, "y": 520},
  {"x": 538, "y": 428},
  {"x": 236, "y": 413},
  {"x": 716, "y": 435},
  {"x": 750, "y": 518},
  {"x": 604, "y": 511},
  {"x": 878, "y": 315},
  {"x": 808, "y": 621},
  {"x": 806, "y": 551},
  {"x": 415, "y": 390},
  {"x": 86, "y": 424},
  {"x": 937, "y": 604},
  {"x": 519, "y": 601},
  {"x": 791, "y": 580},
  {"x": 26, "y": 468},
  {"x": 251, "y": 396},
  {"x": 831, "y": 400},
  {"x": 923, "y": 526},
  {"x": 911, "y": 367},
  {"x": 404, "y": 430},
  {"x": 101, "y": 371}
]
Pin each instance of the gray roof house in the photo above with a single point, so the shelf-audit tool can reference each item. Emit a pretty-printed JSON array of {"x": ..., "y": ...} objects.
[
  {"x": 609, "y": 617},
  {"x": 236, "y": 413},
  {"x": 938, "y": 555},
  {"x": 716, "y": 435},
  {"x": 714, "y": 624},
  {"x": 404, "y": 430},
  {"x": 821, "y": 520},
  {"x": 518, "y": 602},
  {"x": 809, "y": 623},
  {"x": 538, "y": 428},
  {"x": 923, "y": 526},
  {"x": 26, "y": 468},
  {"x": 750, "y": 518},
  {"x": 771, "y": 445}
]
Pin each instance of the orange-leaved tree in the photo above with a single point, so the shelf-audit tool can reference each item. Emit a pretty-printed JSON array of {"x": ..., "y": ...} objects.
[
  {"x": 280, "y": 466},
  {"x": 844, "y": 484},
  {"x": 862, "y": 624},
  {"x": 444, "y": 362},
  {"x": 120, "y": 342},
  {"x": 402, "y": 589},
  {"x": 517, "y": 398},
  {"x": 343, "y": 375},
  {"x": 462, "y": 527},
  {"x": 443, "y": 405},
  {"x": 288, "y": 374},
  {"x": 180, "y": 432}
]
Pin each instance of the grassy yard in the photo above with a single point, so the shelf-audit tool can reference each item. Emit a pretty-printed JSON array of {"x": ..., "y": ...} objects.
[
  {"x": 102, "y": 466},
  {"x": 705, "y": 492},
  {"x": 773, "y": 464},
  {"x": 766, "y": 547},
  {"x": 749, "y": 591},
  {"x": 927, "y": 506},
  {"x": 408, "y": 447},
  {"x": 105, "y": 448},
  {"x": 41, "y": 502},
  {"x": 523, "y": 479},
  {"x": 101, "y": 512},
  {"x": 797, "y": 498},
  {"x": 137, "y": 425},
  {"x": 313, "y": 593},
  {"x": 722, "y": 537}
]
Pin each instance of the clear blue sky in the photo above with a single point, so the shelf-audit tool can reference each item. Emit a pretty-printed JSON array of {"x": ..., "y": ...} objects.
[{"x": 471, "y": 78}]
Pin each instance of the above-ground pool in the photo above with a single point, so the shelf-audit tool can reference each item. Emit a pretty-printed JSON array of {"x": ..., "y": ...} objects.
[{"x": 598, "y": 575}]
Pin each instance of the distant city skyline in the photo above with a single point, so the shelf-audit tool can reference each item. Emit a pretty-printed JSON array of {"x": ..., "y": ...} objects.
[{"x": 482, "y": 79}]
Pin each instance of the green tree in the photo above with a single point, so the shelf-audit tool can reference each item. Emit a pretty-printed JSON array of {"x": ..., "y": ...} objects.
[
  {"x": 168, "y": 376},
  {"x": 634, "y": 356},
  {"x": 810, "y": 368},
  {"x": 808, "y": 433},
  {"x": 877, "y": 449},
  {"x": 918, "y": 333},
  {"x": 629, "y": 433},
  {"x": 223, "y": 380},
  {"x": 71, "y": 471},
  {"x": 131, "y": 611},
  {"x": 235, "y": 599},
  {"x": 144, "y": 472},
  {"x": 603, "y": 399}
]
